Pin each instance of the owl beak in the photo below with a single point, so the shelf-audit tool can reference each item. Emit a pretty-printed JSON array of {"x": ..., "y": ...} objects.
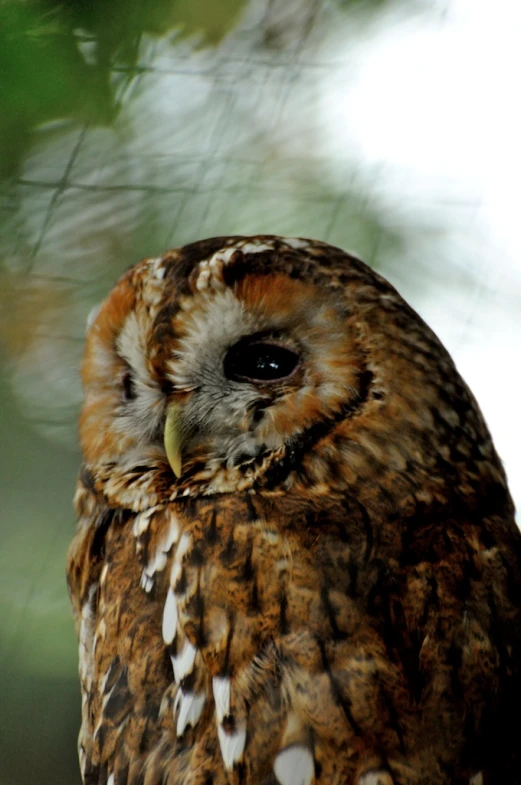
[{"x": 173, "y": 439}]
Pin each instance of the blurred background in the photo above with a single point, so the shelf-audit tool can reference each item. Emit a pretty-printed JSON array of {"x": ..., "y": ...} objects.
[{"x": 389, "y": 128}]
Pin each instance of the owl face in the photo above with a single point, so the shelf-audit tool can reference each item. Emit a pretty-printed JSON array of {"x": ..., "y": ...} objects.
[{"x": 245, "y": 362}]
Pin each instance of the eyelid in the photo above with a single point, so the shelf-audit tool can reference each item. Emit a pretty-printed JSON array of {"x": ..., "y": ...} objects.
[
  {"x": 128, "y": 387},
  {"x": 273, "y": 342}
]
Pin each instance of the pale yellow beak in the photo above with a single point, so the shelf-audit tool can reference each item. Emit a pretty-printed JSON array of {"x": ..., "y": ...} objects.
[{"x": 173, "y": 439}]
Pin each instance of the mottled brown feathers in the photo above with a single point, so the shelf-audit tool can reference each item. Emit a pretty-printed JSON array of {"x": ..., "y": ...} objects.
[{"x": 330, "y": 592}]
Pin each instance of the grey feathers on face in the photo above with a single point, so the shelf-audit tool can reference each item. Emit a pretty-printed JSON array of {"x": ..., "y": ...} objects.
[{"x": 142, "y": 408}]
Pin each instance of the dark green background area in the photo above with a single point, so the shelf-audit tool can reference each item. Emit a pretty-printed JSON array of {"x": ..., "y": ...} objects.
[
  {"x": 39, "y": 706},
  {"x": 45, "y": 73}
]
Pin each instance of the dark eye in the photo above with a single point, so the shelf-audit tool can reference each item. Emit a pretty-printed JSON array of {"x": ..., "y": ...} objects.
[
  {"x": 128, "y": 387},
  {"x": 260, "y": 361}
]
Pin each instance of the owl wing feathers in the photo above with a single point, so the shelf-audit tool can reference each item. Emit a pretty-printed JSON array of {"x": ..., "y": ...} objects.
[{"x": 221, "y": 642}]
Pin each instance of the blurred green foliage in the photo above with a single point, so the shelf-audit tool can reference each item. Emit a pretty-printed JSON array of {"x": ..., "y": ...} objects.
[
  {"x": 39, "y": 705},
  {"x": 58, "y": 60}
]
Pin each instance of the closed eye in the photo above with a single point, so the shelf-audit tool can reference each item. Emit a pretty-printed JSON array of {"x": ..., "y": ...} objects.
[
  {"x": 128, "y": 387},
  {"x": 260, "y": 362}
]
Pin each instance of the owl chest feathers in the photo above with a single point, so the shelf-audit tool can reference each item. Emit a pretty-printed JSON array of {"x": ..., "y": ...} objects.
[{"x": 261, "y": 644}]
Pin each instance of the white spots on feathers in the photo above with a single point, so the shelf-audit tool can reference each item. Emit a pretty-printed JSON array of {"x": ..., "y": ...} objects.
[
  {"x": 156, "y": 265},
  {"x": 183, "y": 663},
  {"x": 375, "y": 777},
  {"x": 103, "y": 682},
  {"x": 146, "y": 582},
  {"x": 100, "y": 633},
  {"x": 221, "y": 694},
  {"x": 477, "y": 779},
  {"x": 211, "y": 270},
  {"x": 232, "y": 745},
  {"x": 156, "y": 564},
  {"x": 169, "y": 618},
  {"x": 269, "y": 535},
  {"x": 232, "y": 742},
  {"x": 159, "y": 557},
  {"x": 97, "y": 729},
  {"x": 87, "y": 617},
  {"x": 296, "y": 242},
  {"x": 142, "y": 521},
  {"x": 254, "y": 246},
  {"x": 281, "y": 565},
  {"x": 172, "y": 535},
  {"x": 110, "y": 779},
  {"x": 204, "y": 278},
  {"x": 106, "y": 697},
  {"x": 295, "y": 766},
  {"x": 185, "y": 543},
  {"x": 86, "y": 636},
  {"x": 188, "y": 706},
  {"x": 175, "y": 573}
]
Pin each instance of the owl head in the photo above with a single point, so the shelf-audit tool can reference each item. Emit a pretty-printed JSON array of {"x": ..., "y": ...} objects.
[{"x": 242, "y": 363}]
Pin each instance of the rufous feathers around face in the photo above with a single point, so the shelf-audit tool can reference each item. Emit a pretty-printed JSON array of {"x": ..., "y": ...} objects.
[{"x": 296, "y": 559}]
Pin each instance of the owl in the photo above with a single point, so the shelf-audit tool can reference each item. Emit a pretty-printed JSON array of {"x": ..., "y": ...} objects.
[{"x": 296, "y": 560}]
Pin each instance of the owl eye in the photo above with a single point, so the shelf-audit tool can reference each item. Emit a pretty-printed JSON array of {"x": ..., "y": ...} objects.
[
  {"x": 260, "y": 361},
  {"x": 128, "y": 387}
]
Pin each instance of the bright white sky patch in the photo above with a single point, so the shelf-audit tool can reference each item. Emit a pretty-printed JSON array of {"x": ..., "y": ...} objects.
[{"x": 434, "y": 104}]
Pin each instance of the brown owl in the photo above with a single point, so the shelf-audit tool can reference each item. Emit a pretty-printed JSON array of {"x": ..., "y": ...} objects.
[{"x": 296, "y": 559}]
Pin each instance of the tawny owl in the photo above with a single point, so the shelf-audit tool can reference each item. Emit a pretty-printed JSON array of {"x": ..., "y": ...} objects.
[{"x": 296, "y": 559}]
